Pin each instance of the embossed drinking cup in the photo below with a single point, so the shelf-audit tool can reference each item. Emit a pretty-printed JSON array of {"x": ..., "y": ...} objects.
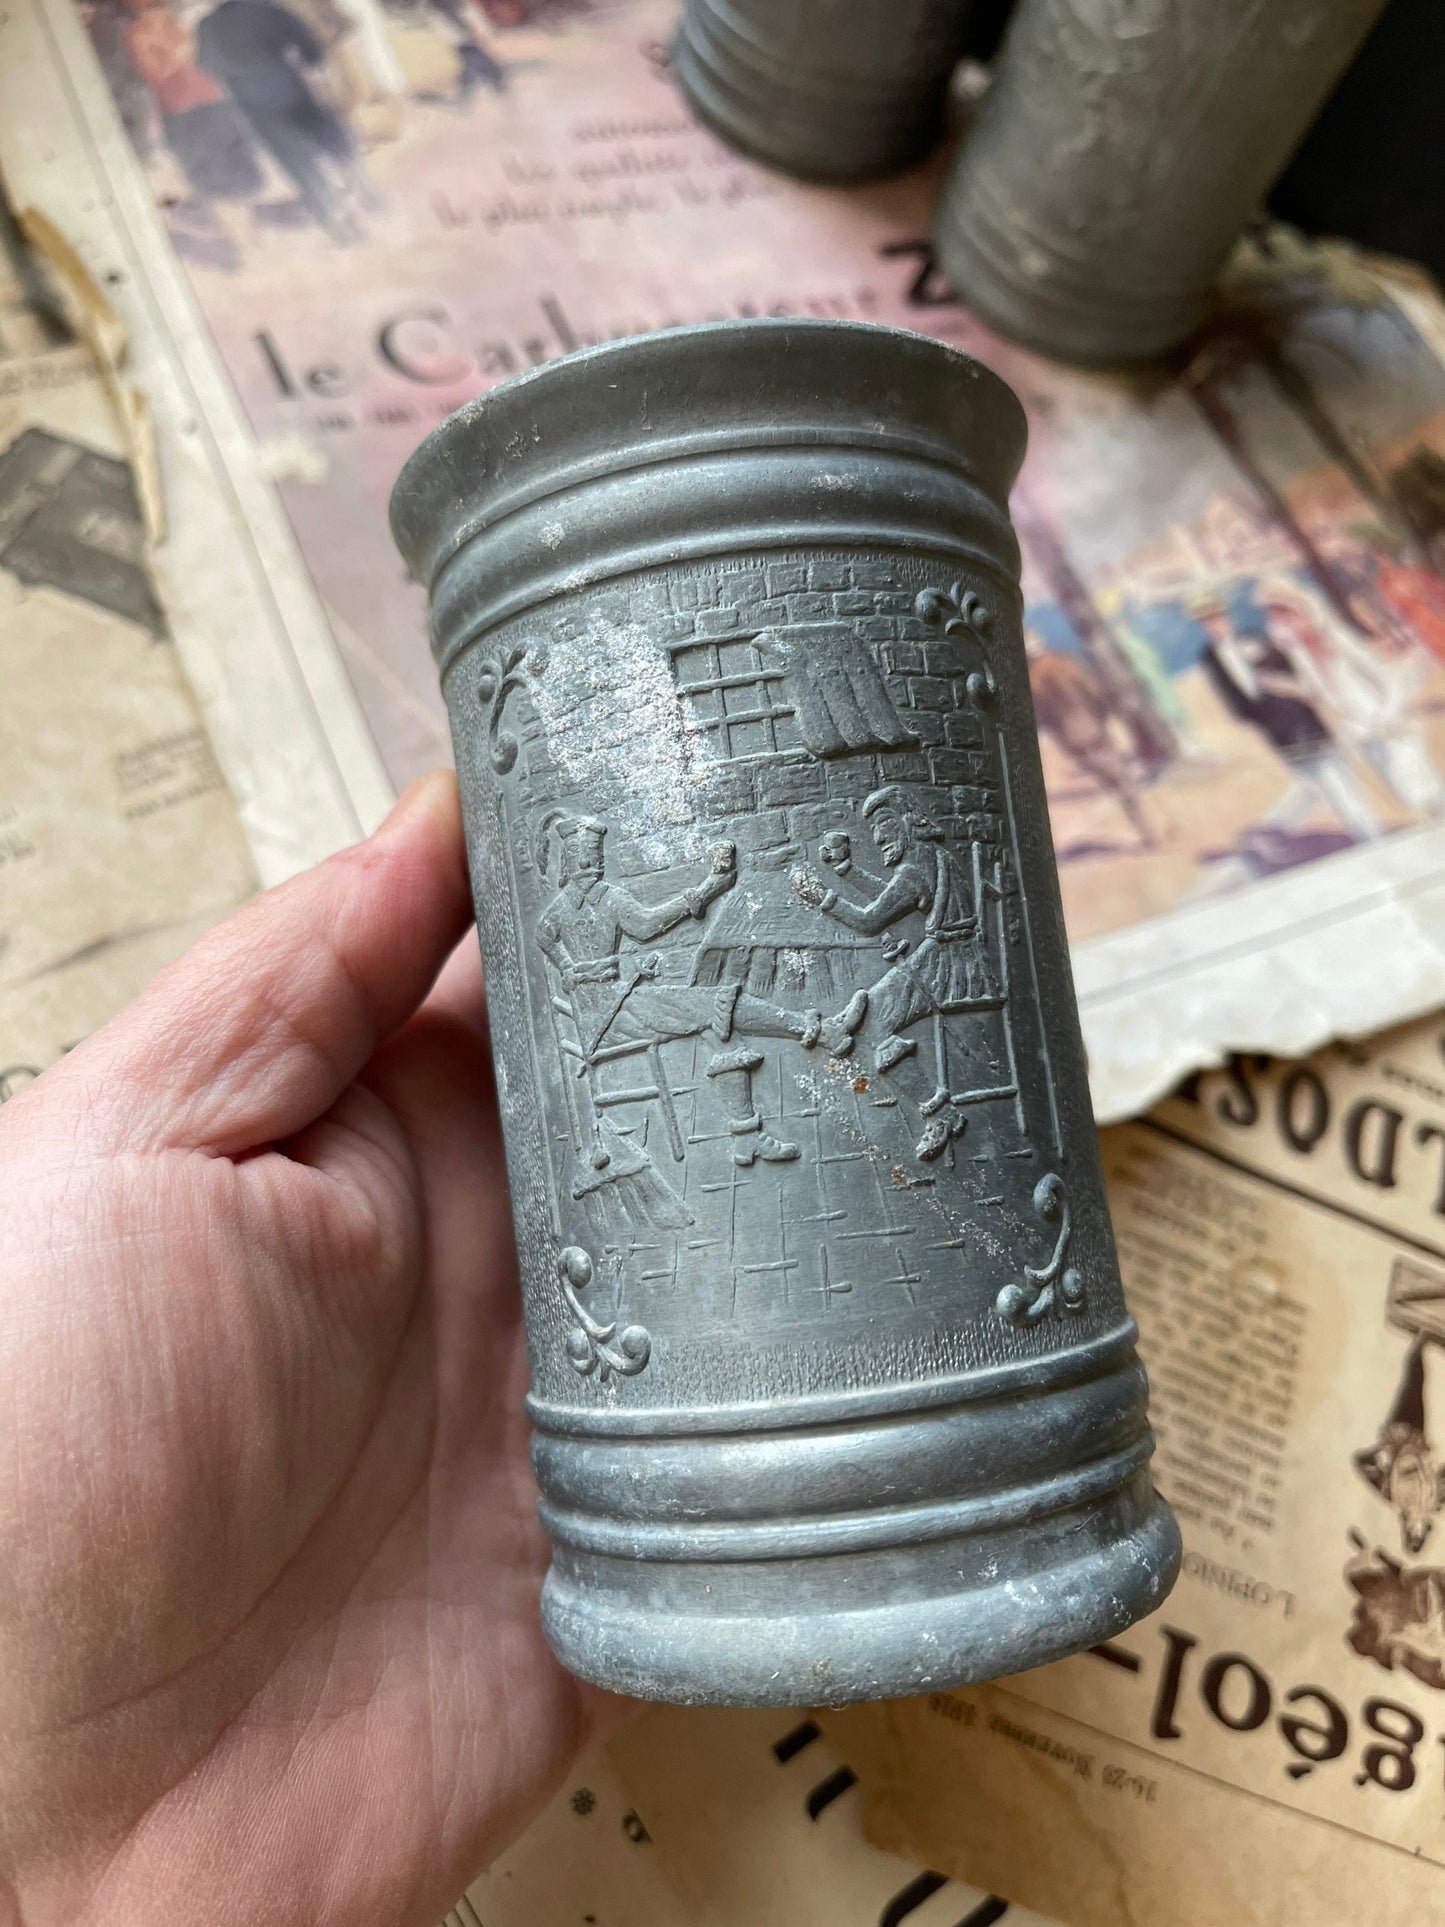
[
  {"x": 1118, "y": 154},
  {"x": 834, "y": 1391},
  {"x": 832, "y": 90}
]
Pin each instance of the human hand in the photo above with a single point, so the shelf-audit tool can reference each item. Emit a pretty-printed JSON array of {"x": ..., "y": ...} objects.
[
  {"x": 269, "y": 1556},
  {"x": 808, "y": 885},
  {"x": 722, "y": 875}
]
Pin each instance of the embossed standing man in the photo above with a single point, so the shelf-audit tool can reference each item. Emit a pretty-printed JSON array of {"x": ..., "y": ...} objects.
[{"x": 834, "y": 1390}]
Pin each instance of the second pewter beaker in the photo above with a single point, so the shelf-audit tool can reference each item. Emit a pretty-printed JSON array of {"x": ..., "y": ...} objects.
[
  {"x": 828, "y": 90},
  {"x": 834, "y": 1389},
  {"x": 1119, "y": 152}
]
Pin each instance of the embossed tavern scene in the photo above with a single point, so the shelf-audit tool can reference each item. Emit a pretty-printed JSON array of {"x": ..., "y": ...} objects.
[
  {"x": 790, "y": 1066},
  {"x": 798, "y": 971}
]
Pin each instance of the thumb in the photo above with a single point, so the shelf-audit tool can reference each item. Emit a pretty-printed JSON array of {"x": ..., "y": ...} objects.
[{"x": 262, "y": 1024}]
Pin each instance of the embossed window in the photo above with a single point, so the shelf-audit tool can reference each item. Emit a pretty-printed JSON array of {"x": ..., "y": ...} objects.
[
  {"x": 811, "y": 686},
  {"x": 736, "y": 696}
]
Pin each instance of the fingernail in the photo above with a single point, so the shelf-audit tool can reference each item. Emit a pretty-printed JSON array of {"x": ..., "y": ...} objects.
[{"x": 434, "y": 794}]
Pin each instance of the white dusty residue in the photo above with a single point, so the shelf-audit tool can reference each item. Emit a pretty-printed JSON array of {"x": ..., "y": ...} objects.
[{"x": 618, "y": 735}]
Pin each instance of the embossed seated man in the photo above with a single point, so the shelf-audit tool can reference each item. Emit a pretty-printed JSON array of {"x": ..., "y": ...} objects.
[
  {"x": 620, "y": 998},
  {"x": 948, "y": 970}
]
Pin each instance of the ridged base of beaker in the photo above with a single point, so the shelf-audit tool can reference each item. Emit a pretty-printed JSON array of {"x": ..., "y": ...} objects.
[{"x": 877, "y": 1624}]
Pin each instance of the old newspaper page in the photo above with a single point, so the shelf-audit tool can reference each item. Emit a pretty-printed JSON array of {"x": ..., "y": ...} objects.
[
  {"x": 1233, "y": 575},
  {"x": 709, "y": 1819},
  {"x": 280, "y": 714},
  {"x": 1270, "y": 1745},
  {"x": 119, "y": 840}
]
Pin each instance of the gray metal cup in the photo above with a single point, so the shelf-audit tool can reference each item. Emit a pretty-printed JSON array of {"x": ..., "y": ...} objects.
[
  {"x": 834, "y": 1391},
  {"x": 1118, "y": 154},
  {"x": 831, "y": 90}
]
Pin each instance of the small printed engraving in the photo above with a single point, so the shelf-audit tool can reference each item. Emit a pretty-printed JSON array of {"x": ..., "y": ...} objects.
[
  {"x": 591, "y": 1345},
  {"x": 1026, "y": 1303},
  {"x": 70, "y": 519}
]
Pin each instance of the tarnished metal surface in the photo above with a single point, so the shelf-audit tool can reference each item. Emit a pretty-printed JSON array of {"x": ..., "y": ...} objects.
[
  {"x": 834, "y": 1388},
  {"x": 831, "y": 90},
  {"x": 1118, "y": 153}
]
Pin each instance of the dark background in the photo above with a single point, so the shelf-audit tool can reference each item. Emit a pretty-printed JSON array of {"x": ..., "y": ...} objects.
[{"x": 1373, "y": 166}]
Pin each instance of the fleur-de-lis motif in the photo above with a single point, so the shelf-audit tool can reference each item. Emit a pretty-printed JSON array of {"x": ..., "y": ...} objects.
[
  {"x": 591, "y": 1345},
  {"x": 960, "y": 611},
  {"x": 495, "y": 682},
  {"x": 1043, "y": 1285},
  {"x": 956, "y": 610}
]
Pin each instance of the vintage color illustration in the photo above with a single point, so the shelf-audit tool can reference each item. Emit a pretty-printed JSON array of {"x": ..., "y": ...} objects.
[{"x": 1236, "y": 614}]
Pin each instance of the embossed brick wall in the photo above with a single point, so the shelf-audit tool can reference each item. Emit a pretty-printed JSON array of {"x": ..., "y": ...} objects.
[{"x": 785, "y": 796}]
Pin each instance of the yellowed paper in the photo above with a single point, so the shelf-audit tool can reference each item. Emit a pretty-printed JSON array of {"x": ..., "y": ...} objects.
[
  {"x": 1270, "y": 1746},
  {"x": 94, "y": 321},
  {"x": 118, "y": 838},
  {"x": 274, "y": 699},
  {"x": 706, "y": 1819},
  {"x": 589, "y": 1853},
  {"x": 42, "y": 1020}
]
